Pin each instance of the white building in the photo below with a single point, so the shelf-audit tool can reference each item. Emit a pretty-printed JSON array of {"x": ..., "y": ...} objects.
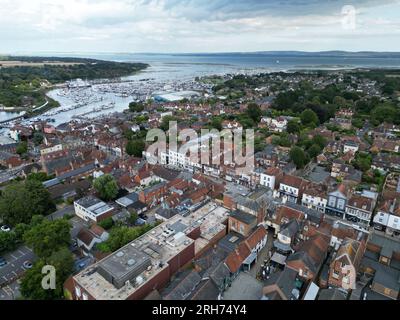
[
  {"x": 388, "y": 217},
  {"x": 50, "y": 149},
  {"x": 278, "y": 124},
  {"x": 92, "y": 209},
  {"x": 350, "y": 146},
  {"x": 359, "y": 209},
  {"x": 269, "y": 177}
]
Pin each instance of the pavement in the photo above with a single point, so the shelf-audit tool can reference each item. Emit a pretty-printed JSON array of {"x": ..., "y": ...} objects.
[
  {"x": 14, "y": 266},
  {"x": 61, "y": 213},
  {"x": 14, "y": 269},
  {"x": 10, "y": 292},
  {"x": 262, "y": 255},
  {"x": 77, "y": 224}
]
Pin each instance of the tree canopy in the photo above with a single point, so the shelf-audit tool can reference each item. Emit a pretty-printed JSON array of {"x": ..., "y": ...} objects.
[
  {"x": 48, "y": 237},
  {"x": 19, "y": 201},
  {"x": 106, "y": 187},
  {"x": 135, "y": 147},
  {"x": 298, "y": 156}
]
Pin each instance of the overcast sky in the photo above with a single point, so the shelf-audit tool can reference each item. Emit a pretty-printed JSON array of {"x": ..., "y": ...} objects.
[{"x": 198, "y": 25}]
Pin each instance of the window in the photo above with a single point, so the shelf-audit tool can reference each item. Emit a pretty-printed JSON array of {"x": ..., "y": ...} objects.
[
  {"x": 84, "y": 296},
  {"x": 78, "y": 291},
  {"x": 340, "y": 204}
]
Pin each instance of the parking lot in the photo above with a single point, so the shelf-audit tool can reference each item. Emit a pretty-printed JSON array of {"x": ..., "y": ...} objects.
[
  {"x": 10, "y": 292},
  {"x": 14, "y": 267}
]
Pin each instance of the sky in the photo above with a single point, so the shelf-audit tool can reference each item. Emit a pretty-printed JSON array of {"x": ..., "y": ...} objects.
[{"x": 176, "y": 26}]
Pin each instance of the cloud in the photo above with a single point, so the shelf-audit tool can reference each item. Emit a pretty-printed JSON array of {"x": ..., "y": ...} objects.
[{"x": 194, "y": 25}]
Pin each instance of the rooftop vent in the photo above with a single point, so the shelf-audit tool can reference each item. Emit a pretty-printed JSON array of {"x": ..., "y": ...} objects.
[{"x": 131, "y": 262}]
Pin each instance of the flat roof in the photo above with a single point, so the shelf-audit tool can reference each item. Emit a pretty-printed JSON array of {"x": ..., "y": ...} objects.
[
  {"x": 160, "y": 245},
  {"x": 128, "y": 199}
]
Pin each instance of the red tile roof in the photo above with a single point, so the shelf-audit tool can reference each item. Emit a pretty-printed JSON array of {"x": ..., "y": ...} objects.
[{"x": 256, "y": 237}]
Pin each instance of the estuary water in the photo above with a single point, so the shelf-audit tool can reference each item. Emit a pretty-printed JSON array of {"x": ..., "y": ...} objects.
[{"x": 169, "y": 72}]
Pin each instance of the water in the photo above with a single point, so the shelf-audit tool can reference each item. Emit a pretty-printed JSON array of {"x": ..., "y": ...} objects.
[{"x": 174, "y": 70}]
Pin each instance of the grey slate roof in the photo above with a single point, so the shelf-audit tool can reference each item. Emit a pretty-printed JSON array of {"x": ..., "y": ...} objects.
[{"x": 243, "y": 216}]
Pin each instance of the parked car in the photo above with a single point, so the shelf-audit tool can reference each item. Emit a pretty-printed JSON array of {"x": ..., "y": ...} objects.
[
  {"x": 3, "y": 262},
  {"x": 5, "y": 228},
  {"x": 27, "y": 264}
]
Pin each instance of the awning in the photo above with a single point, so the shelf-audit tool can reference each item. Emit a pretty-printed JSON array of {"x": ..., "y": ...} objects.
[
  {"x": 249, "y": 260},
  {"x": 281, "y": 246},
  {"x": 279, "y": 258}
]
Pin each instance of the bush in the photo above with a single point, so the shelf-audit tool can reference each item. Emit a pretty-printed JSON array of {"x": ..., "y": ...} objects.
[{"x": 106, "y": 223}]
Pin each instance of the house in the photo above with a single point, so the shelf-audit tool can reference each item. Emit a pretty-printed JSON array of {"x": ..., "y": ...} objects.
[
  {"x": 337, "y": 201},
  {"x": 350, "y": 146},
  {"x": 359, "y": 210},
  {"x": 282, "y": 285},
  {"x": 309, "y": 257},
  {"x": 385, "y": 162},
  {"x": 286, "y": 237},
  {"x": 241, "y": 222},
  {"x": 9, "y": 160},
  {"x": 343, "y": 171},
  {"x": 131, "y": 201},
  {"x": 92, "y": 209},
  {"x": 315, "y": 197},
  {"x": 345, "y": 264},
  {"x": 387, "y": 218},
  {"x": 385, "y": 145},
  {"x": 232, "y": 125},
  {"x": 381, "y": 262},
  {"x": 154, "y": 194},
  {"x": 278, "y": 124},
  {"x": 271, "y": 177},
  {"x": 331, "y": 294},
  {"x": 345, "y": 113},
  {"x": 88, "y": 238},
  {"x": 281, "y": 215},
  {"x": 292, "y": 187}
]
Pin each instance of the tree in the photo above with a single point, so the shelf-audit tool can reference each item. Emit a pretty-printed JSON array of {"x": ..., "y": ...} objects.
[
  {"x": 135, "y": 147},
  {"x": 106, "y": 223},
  {"x": 136, "y": 106},
  {"x": 319, "y": 140},
  {"x": 7, "y": 241},
  {"x": 39, "y": 176},
  {"x": 106, "y": 187},
  {"x": 14, "y": 207},
  {"x": 298, "y": 156},
  {"x": 132, "y": 218},
  {"x": 309, "y": 117},
  {"x": 165, "y": 122},
  {"x": 254, "y": 112},
  {"x": 216, "y": 123},
  {"x": 22, "y": 148},
  {"x": 20, "y": 201},
  {"x": 293, "y": 126},
  {"x": 120, "y": 236},
  {"x": 31, "y": 285},
  {"x": 48, "y": 237},
  {"x": 37, "y": 138},
  {"x": 39, "y": 197},
  {"x": 314, "y": 151}
]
